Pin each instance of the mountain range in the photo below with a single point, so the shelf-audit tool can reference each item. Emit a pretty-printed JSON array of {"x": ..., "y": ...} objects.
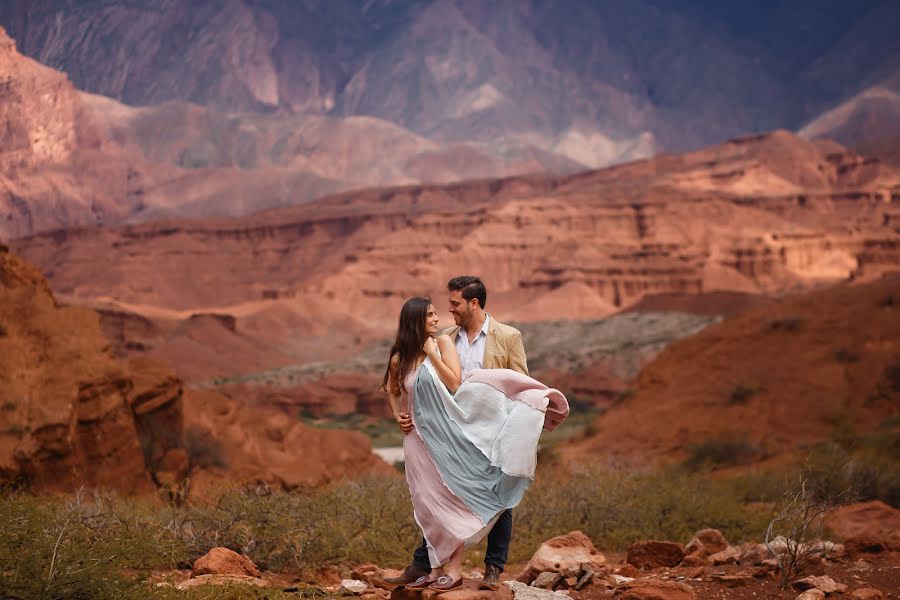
[{"x": 592, "y": 82}]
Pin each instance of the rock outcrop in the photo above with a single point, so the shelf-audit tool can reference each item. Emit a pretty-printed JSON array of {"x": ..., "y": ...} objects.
[
  {"x": 724, "y": 390},
  {"x": 72, "y": 415}
]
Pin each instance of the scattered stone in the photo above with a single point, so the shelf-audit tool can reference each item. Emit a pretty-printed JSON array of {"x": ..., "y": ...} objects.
[
  {"x": 729, "y": 555},
  {"x": 547, "y": 580},
  {"x": 812, "y": 594},
  {"x": 222, "y": 561},
  {"x": 753, "y": 555},
  {"x": 352, "y": 587},
  {"x": 567, "y": 555},
  {"x": 696, "y": 573},
  {"x": 867, "y": 594},
  {"x": 653, "y": 554},
  {"x": 650, "y": 589},
  {"x": 823, "y": 582},
  {"x": 620, "y": 579},
  {"x": 214, "y": 579},
  {"x": 629, "y": 571},
  {"x": 733, "y": 581},
  {"x": 522, "y": 591},
  {"x": 860, "y": 566},
  {"x": 587, "y": 576},
  {"x": 705, "y": 543},
  {"x": 693, "y": 560}
]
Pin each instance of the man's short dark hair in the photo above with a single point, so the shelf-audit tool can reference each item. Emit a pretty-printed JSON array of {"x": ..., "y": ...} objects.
[{"x": 470, "y": 287}]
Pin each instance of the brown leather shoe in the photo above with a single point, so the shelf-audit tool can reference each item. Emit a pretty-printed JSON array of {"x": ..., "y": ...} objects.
[
  {"x": 409, "y": 575},
  {"x": 491, "y": 579},
  {"x": 445, "y": 583}
]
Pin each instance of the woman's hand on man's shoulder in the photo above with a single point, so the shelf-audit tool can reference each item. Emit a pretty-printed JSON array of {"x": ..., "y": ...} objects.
[{"x": 444, "y": 339}]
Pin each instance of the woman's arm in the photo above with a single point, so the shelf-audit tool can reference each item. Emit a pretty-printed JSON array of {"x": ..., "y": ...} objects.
[
  {"x": 394, "y": 398},
  {"x": 442, "y": 352}
]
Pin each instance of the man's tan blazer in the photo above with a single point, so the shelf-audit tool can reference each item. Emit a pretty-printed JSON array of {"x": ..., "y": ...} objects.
[{"x": 503, "y": 348}]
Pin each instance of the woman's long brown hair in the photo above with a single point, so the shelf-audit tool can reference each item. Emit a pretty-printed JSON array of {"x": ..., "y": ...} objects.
[{"x": 408, "y": 344}]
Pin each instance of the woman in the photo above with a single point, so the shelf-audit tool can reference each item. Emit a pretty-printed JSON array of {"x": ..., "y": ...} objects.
[{"x": 472, "y": 451}]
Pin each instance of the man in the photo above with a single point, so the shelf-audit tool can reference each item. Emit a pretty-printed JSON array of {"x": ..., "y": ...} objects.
[{"x": 482, "y": 343}]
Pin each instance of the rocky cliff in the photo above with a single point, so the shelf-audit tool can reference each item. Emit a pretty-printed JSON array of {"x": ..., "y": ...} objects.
[
  {"x": 71, "y": 415},
  {"x": 772, "y": 381}
]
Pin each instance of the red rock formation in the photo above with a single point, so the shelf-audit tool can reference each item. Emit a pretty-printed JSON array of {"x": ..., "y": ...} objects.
[
  {"x": 766, "y": 381},
  {"x": 71, "y": 415}
]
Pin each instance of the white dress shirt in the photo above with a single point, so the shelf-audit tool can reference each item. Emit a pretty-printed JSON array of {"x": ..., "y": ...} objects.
[{"x": 471, "y": 356}]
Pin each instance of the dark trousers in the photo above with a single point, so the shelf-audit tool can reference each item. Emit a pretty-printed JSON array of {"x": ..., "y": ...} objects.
[{"x": 497, "y": 546}]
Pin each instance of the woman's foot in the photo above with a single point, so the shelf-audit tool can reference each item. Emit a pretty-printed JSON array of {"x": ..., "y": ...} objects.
[{"x": 445, "y": 583}]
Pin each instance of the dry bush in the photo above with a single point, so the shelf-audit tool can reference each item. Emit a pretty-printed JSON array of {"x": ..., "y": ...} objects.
[
  {"x": 616, "y": 507},
  {"x": 366, "y": 520},
  {"x": 799, "y": 522},
  {"x": 51, "y": 548},
  {"x": 720, "y": 452}
]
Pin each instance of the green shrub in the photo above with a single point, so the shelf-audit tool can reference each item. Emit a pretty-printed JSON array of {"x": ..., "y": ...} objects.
[
  {"x": 719, "y": 452},
  {"x": 354, "y": 521},
  {"x": 846, "y": 356},
  {"x": 615, "y": 507},
  {"x": 789, "y": 324},
  {"x": 50, "y": 548},
  {"x": 741, "y": 393}
]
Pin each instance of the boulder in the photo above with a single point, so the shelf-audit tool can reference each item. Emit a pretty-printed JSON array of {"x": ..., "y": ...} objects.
[
  {"x": 753, "y": 555},
  {"x": 222, "y": 561},
  {"x": 567, "y": 555},
  {"x": 873, "y": 519},
  {"x": 729, "y": 555},
  {"x": 705, "y": 543},
  {"x": 653, "y": 554},
  {"x": 867, "y": 594},
  {"x": 812, "y": 594}
]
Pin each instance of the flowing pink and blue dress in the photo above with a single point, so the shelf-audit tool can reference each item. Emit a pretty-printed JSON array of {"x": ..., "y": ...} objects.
[{"x": 472, "y": 454}]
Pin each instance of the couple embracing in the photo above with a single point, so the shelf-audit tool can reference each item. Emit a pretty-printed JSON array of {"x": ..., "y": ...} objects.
[{"x": 472, "y": 418}]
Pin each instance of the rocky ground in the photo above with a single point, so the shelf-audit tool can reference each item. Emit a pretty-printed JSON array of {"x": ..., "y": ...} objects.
[{"x": 866, "y": 566}]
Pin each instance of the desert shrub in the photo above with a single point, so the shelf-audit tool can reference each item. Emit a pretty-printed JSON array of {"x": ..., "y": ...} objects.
[
  {"x": 616, "y": 507},
  {"x": 741, "y": 393},
  {"x": 353, "y": 521},
  {"x": 846, "y": 356},
  {"x": 719, "y": 452},
  {"x": 50, "y": 548},
  {"x": 867, "y": 465},
  {"x": 789, "y": 324}
]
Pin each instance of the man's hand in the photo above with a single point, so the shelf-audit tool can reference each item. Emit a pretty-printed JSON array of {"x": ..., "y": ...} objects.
[{"x": 405, "y": 422}]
